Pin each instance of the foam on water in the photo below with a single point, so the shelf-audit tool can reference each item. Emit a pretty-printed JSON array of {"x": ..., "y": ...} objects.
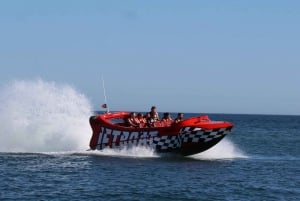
[
  {"x": 139, "y": 152},
  {"x": 132, "y": 152},
  {"x": 40, "y": 116},
  {"x": 223, "y": 150}
]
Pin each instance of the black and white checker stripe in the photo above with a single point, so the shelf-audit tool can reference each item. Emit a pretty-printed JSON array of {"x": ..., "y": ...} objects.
[
  {"x": 188, "y": 135},
  {"x": 197, "y": 135},
  {"x": 166, "y": 142}
]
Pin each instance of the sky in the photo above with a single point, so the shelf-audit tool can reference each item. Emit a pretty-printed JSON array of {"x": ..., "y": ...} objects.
[{"x": 182, "y": 56}]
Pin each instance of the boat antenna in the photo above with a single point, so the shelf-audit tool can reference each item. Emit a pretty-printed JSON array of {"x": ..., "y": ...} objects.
[{"x": 105, "y": 99}]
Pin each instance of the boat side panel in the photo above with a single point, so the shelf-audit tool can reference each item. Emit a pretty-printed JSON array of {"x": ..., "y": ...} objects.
[
  {"x": 195, "y": 140},
  {"x": 108, "y": 135},
  {"x": 96, "y": 131}
]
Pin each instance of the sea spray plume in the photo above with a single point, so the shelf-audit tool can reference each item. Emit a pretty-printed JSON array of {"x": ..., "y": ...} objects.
[{"x": 40, "y": 116}]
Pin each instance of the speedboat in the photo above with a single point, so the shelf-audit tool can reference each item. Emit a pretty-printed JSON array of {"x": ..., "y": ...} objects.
[{"x": 190, "y": 136}]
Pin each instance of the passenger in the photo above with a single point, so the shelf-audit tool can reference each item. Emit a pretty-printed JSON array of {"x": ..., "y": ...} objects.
[
  {"x": 132, "y": 121},
  {"x": 167, "y": 120},
  {"x": 154, "y": 114},
  {"x": 149, "y": 120},
  {"x": 141, "y": 120},
  {"x": 167, "y": 117},
  {"x": 178, "y": 118}
]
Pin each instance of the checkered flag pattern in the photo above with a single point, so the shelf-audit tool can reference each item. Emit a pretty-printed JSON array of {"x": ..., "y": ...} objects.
[
  {"x": 196, "y": 135},
  {"x": 189, "y": 135},
  {"x": 166, "y": 142}
]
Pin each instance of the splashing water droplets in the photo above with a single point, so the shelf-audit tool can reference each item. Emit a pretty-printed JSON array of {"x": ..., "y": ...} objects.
[
  {"x": 39, "y": 116},
  {"x": 223, "y": 150}
]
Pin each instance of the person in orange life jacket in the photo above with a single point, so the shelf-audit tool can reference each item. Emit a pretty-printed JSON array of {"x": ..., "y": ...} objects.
[
  {"x": 141, "y": 120},
  {"x": 154, "y": 114},
  {"x": 149, "y": 120},
  {"x": 178, "y": 118},
  {"x": 167, "y": 120},
  {"x": 167, "y": 117},
  {"x": 132, "y": 121}
]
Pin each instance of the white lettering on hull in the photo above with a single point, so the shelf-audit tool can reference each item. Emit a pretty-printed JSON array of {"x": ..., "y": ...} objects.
[{"x": 115, "y": 138}]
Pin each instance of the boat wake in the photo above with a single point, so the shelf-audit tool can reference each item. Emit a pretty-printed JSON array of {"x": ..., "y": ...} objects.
[
  {"x": 40, "y": 116},
  {"x": 133, "y": 152},
  {"x": 225, "y": 150}
]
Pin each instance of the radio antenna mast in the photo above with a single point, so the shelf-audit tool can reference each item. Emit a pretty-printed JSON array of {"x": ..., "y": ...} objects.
[{"x": 105, "y": 99}]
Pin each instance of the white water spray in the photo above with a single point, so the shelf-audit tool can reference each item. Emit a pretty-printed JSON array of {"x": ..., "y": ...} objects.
[
  {"x": 39, "y": 116},
  {"x": 223, "y": 150},
  {"x": 132, "y": 152}
]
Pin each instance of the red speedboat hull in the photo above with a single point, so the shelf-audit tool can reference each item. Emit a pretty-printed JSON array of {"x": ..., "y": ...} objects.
[{"x": 188, "y": 137}]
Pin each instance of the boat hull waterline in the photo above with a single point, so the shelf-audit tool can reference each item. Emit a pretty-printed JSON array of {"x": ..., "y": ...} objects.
[{"x": 188, "y": 137}]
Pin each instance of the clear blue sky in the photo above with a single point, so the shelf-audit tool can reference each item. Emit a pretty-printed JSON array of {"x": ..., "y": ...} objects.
[{"x": 190, "y": 56}]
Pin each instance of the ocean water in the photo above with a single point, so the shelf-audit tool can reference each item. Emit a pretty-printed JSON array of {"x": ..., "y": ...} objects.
[{"x": 44, "y": 137}]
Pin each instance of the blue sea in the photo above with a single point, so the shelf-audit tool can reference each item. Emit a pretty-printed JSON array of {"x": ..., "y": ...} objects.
[
  {"x": 45, "y": 133},
  {"x": 259, "y": 160}
]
